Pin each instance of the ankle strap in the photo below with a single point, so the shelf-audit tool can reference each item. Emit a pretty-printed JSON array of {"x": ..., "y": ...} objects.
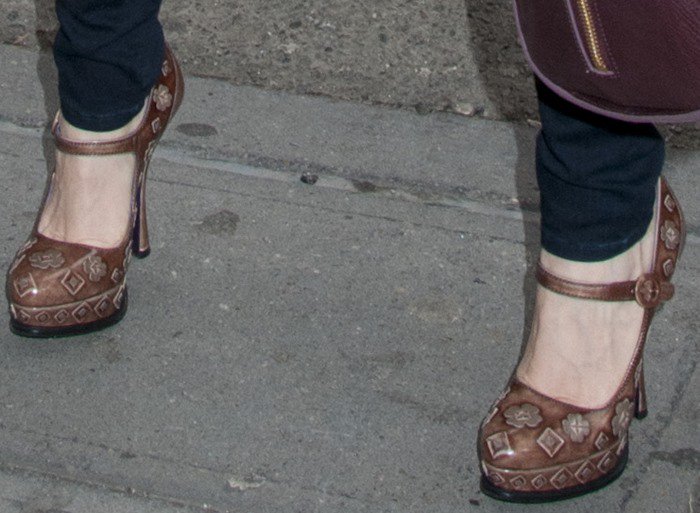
[
  {"x": 124, "y": 145},
  {"x": 649, "y": 290}
]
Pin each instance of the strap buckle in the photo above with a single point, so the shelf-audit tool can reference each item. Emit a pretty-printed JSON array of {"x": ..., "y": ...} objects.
[{"x": 650, "y": 291}]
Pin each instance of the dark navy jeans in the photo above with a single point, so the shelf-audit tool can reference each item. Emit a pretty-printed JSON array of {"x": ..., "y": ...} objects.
[
  {"x": 108, "y": 54},
  {"x": 597, "y": 176},
  {"x": 597, "y": 180}
]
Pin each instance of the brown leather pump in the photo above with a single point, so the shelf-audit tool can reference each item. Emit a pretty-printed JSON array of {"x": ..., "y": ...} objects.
[
  {"x": 534, "y": 448},
  {"x": 57, "y": 288}
]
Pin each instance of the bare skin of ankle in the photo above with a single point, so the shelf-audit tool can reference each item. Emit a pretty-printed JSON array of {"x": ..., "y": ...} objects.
[
  {"x": 89, "y": 200},
  {"x": 579, "y": 349}
]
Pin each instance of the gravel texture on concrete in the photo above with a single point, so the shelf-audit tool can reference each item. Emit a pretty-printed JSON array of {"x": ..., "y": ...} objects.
[
  {"x": 397, "y": 52},
  {"x": 457, "y": 56}
]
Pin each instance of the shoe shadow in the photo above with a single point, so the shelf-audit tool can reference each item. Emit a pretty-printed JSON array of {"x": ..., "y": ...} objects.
[
  {"x": 509, "y": 86},
  {"x": 45, "y": 31}
]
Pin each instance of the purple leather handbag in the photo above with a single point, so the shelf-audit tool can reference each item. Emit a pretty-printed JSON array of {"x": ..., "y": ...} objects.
[{"x": 635, "y": 60}]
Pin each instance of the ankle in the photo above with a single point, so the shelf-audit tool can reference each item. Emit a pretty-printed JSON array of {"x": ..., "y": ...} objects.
[
  {"x": 629, "y": 265},
  {"x": 73, "y": 133},
  {"x": 90, "y": 196}
]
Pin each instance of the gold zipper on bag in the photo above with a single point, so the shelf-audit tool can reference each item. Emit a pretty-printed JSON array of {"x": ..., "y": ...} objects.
[{"x": 591, "y": 35}]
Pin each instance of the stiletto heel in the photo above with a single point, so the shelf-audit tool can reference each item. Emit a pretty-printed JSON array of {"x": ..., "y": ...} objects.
[
  {"x": 57, "y": 288},
  {"x": 534, "y": 448},
  {"x": 640, "y": 400},
  {"x": 141, "y": 247}
]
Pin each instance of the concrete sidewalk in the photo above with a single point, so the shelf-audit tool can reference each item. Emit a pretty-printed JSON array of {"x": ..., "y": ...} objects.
[
  {"x": 447, "y": 55},
  {"x": 301, "y": 348}
]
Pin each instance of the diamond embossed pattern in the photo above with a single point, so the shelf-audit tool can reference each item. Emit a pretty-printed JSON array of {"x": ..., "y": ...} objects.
[
  {"x": 536, "y": 449},
  {"x": 58, "y": 288}
]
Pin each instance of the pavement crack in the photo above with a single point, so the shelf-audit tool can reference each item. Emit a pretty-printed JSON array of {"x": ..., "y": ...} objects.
[
  {"x": 687, "y": 458},
  {"x": 98, "y": 485},
  {"x": 354, "y": 212},
  {"x": 688, "y": 366},
  {"x": 424, "y": 193},
  {"x": 119, "y": 452}
]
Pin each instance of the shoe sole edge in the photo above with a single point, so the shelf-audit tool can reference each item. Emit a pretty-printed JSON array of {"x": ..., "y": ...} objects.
[
  {"x": 28, "y": 331},
  {"x": 488, "y": 488}
]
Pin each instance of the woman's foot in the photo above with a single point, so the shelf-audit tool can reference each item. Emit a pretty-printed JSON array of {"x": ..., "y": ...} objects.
[
  {"x": 90, "y": 196},
  {"x": 560, "y": 429},
  {"x": 579, "y": 349},
  {"x": 69, "y": 277}
]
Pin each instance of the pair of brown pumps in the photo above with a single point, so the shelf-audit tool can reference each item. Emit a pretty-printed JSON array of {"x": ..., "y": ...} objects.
[{"x": 532, "y": 448}]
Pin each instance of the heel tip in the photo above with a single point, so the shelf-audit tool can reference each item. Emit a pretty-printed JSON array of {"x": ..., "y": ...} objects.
[
  {"x": 641, "y": 414},
  {"x": 141, "y": 253}
]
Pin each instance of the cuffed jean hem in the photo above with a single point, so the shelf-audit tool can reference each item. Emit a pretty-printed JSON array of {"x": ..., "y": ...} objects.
[
  {"x": 597, "y": 180},
  {"x": 590, "y": 251},
  {"x": 108, "y": 54},
  {"x": 100, "y": 123}
]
